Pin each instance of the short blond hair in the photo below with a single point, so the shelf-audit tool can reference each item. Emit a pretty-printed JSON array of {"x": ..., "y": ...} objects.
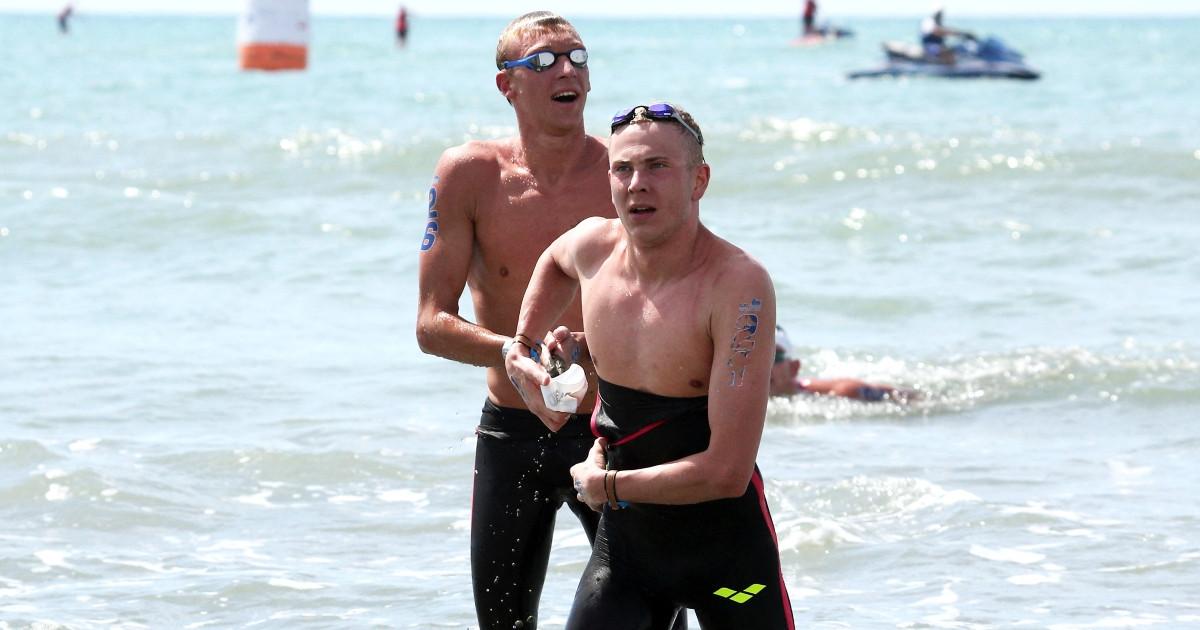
[{"x": 534, "y": 22}]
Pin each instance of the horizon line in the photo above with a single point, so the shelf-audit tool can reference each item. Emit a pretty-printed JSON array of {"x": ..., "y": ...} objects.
[{"x": 626, "y": 16}]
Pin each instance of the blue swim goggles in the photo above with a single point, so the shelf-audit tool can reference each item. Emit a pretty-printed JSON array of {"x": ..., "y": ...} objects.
[
  {"x": 657, "y": 111},
  {"x": 539, "y": 61}
]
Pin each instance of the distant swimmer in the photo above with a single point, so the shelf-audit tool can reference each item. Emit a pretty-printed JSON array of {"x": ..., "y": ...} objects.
[
  {"x": 785, "y": 382},
  {"x": 402, "y": 26},
  {"x": 64, "y": 18},
  {"x": 934, "y": 34},
  {"x": 679, "y": 325}
]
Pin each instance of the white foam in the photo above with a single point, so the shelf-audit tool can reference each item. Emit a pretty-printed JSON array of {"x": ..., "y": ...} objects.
[
  {"x": 80, "y": 446},
  {"x": 1033, "y": 579},
  {"x": 259, "y": 499},
  {"x": 1007, "y": 555},
  {"x": 52, "y": 558},
  {"x": 946, "y": 597},
  {"x": 404, "y": 495},
  {"x": 57, "y": 492},
  {"x": 296, "y": 584}
]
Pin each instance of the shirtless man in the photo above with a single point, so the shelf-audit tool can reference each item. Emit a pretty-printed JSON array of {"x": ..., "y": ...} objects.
[
  {"x": 493, "y": 208},
  {"x": 681, "y": 331}
]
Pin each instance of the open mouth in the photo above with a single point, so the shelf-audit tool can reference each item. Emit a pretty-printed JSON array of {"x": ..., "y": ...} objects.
[
  {"x": 641, "y": 210},
  {"x": 569, "y": 96}
]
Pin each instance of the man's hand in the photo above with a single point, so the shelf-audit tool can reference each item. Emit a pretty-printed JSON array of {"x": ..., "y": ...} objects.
[
  {"x": 528, "y": 376},
  {"x": 564, "y": 344},
  {"x": 588, "y": 476}
]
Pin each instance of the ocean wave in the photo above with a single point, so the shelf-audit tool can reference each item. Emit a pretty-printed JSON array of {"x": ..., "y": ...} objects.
[
  {"x": 813, "y": 517},
  {"x": 1144, "y": 377},
  {"x": 820, "y": 157}
]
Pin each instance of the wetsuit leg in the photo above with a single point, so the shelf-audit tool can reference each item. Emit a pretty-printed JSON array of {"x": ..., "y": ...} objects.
[
  {"x": 749, "y": 593},
  {"x": 522, "y": 478},
  {"x": 607, "y": 599},
  {"x": 510, "y": 534},
  {"x": 746, "y": 588}
]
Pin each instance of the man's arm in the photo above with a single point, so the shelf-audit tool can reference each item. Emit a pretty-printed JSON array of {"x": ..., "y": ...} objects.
[
  {"x": 554, "y": 282},
  {"x": 743, "y": 336},
  {"x": 446, "y": 248},
  {"x": 551, "y": 289}
]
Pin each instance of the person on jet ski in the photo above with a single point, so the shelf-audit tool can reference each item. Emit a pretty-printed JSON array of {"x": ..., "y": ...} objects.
[{"x": 933, "y": 38}]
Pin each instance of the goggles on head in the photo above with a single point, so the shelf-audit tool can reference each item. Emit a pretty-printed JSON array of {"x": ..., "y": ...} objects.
[
  {"x": 539, "y": 61},
  {"x": 657, "y": 111}
]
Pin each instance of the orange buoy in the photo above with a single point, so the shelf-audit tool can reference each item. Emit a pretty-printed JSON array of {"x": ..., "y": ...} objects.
[{"x": 273, "y": 35}]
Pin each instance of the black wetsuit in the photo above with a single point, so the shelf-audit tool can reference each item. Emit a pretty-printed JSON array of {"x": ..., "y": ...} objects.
[
  {"x": 522, "y": 477},
  {"x": 719, "y": 558}
]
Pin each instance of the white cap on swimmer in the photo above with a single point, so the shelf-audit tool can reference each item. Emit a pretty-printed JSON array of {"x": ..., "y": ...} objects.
[{"x": 782, "y": 342}]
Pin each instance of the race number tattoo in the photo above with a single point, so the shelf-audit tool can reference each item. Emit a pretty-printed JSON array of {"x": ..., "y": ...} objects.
[
  {"x": 431, "y": 228},
  {"x": 742, "y": 344}
]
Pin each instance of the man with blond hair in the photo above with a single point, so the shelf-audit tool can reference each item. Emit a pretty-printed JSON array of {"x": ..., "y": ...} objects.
[{"x": 493, "y": 207}]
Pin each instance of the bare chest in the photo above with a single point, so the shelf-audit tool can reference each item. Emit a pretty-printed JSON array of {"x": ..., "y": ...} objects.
[
  {"x": 654, "y": 339},
  {"x": 515, "y": 224}
]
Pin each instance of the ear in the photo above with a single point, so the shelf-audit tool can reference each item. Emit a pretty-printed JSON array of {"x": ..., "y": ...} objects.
[
  {"x": 700, "y": 184},
  {"x": 504, "y": 84}
]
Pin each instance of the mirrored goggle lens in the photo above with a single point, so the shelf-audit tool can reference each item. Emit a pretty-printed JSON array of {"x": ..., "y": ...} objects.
[
  {"x": 622, "y": 117},
  {"x": 661, "y": 110},
  {"x": 546, "y": 59},
  {"x": 543, "y": 60}
]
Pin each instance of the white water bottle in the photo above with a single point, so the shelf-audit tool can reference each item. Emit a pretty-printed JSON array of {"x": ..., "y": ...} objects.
[{"x": 566, "y": 390}]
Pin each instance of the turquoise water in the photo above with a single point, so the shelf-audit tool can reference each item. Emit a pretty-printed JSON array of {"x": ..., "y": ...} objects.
[{"x": 213, "y": 412}]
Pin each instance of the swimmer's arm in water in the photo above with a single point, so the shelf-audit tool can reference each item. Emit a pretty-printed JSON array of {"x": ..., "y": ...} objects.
[
  {"x": 446, "y": 247},
  {"x": 742, "y": 329},
  {"x": 860, "y": 390}
]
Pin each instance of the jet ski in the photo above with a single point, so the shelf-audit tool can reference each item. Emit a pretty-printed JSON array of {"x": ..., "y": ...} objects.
[
  {"x": 826, "y": 33},
  {"x": 834, "y": 32},
  {"x": 973, "y": 59}
]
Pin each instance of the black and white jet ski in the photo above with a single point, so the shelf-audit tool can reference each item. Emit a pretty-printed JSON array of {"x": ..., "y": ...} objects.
[{"x": 973, "y": 59}]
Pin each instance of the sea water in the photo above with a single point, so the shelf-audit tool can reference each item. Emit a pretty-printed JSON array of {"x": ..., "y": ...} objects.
[{"x": 213, "y": 412}]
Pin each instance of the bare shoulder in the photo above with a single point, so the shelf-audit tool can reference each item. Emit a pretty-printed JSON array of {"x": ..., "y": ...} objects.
[
  {"x": 467, "y": 177},
  {"x": 597, "y": 150},
  {"x": 597, "y": 229},
  {"x": 735, "y": 270},
  {"x": 476, "y": 158},
  {"x": 593, "y": 239}
]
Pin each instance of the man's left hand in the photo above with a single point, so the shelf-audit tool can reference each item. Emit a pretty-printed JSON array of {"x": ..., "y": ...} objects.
[{"x": 588, "y": 476}]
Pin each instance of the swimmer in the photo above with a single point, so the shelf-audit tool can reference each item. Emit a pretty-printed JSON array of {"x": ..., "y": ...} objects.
[
  {"x": 680, "y": 328},
  {"x": 785, "y": 382},
  {"x": 493, "y": 208}
]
